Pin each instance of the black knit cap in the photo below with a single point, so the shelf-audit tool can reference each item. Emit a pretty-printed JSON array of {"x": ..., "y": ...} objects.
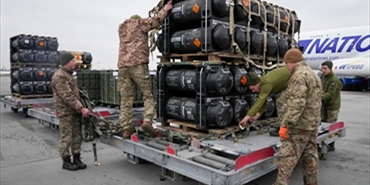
[
  {"x": 65, "y": 58},
  {"x": 252, "y": 78},
  {"x": 328, "y": 63}
]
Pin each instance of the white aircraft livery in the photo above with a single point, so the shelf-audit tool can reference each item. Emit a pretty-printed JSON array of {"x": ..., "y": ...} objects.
[{"x": 348, "y": 49}]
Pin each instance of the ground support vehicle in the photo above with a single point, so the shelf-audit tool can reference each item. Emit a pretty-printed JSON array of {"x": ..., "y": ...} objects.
[
  {"x": 216, "y": 162},
  {"x": 207, "y": 160}
]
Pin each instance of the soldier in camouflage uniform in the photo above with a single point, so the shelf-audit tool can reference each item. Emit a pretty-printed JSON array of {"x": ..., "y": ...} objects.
[
  {"x": 68, "y": 109},
  {"x": 133, "y": 68},
  {"x": 273, "y": 82},
  {"x": 300, "y": 122},
  {"x": 331, "y": 96}
]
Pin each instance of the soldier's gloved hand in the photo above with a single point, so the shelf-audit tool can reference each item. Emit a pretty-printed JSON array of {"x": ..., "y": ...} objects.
[{"x": 283, "y": 133}]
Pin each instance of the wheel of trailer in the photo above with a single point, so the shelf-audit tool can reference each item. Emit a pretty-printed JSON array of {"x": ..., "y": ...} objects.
[
  {"x": 15, "y": 110},
  {"x": 25, "y": 112}
]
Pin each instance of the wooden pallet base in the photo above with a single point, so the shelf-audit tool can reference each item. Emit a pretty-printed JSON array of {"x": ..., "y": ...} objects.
[
  {"x": 82, "y": 66},
  {"x": 229, "y": 58},
  {"x": 112, "y": 105},
  {"x": 191, "y": 129},
  {"x": 198, "y": 57},
  {"x": 37, "y": 65},
  {"x": 32, "y": 96}
]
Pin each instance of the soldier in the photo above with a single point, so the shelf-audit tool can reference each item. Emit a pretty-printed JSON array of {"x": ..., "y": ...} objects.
[
  {"x": 133, "y": 68},
  {"x": 68, "y": 109},
  {"x": 300, "y": 122},
  {"x": 273, "y": 82},
  {"x": 331, "y": 96}
]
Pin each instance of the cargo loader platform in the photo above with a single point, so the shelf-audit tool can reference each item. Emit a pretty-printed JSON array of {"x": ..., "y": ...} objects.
[
  {"x": 208, "y": 161},
  {"x": 216, "y": 162}
]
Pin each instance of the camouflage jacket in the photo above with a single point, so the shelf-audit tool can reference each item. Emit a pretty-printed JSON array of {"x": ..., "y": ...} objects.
[
  {"x": 65, "y": 92},
  {"x": 303, "y": 99},
  {"x": 133, "y": 35}
]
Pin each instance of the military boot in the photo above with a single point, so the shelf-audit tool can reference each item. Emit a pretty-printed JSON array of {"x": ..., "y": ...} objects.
[
  {"x": 77, "y": 161},
  {"x": 148, "y": 128},
  {"x": 68, "y": 165},
  {"x": 127, "y": 133}
]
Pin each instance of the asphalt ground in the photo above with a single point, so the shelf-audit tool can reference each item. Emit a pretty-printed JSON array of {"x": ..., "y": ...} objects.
[{"x": 29, "y": 154}]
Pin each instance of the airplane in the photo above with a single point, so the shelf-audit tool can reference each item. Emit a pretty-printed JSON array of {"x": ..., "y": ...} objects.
[{"x": 348, "y": 49}]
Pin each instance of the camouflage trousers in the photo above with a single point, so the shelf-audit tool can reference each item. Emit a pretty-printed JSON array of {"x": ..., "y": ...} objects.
[
  {"x": 300, "y": 146},
  {"x": 329, "y": 116},
  {"x": 280, "y": 109},
  {"x": 128, "y": 77},
  {"x": 70, "y": 135}
]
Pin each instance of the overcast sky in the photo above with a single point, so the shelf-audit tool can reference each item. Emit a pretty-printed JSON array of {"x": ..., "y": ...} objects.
[{"x": 91, "y": 25}]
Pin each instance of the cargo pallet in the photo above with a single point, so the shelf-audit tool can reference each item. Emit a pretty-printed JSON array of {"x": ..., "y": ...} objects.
[
  {"x": 32, "y": 96},
  {"x": 37, "y": 65},
  {"x": 191, "y": 129},
  {"x": 214, "y": 162},
  {"x": 83, "y": 66},
  {"x": 16, "y": 103},
  {"x": 229, "y": 58}
]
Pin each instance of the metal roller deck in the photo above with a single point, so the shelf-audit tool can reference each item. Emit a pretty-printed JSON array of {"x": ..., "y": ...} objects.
[{"x": 216, "y": 162}]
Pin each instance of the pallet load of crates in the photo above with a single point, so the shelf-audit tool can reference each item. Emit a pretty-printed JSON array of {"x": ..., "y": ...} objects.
[
  {"x": 102, "y": 86},
  {"x": 83, "y": 59},
  {"x": 33, "y": 61},
  {"x": 218, "y": 42}
]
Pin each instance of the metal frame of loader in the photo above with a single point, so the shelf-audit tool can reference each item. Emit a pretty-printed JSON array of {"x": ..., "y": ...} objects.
[
  {"x": 17, "y": 103},
  {"x": 46, "y": 114},
  {"x": 216, "y": 162},
  {"x": 206, "y": 162}
]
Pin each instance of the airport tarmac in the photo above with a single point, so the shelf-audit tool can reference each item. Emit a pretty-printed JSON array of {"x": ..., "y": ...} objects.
[{"x": 29, "y": 154}]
